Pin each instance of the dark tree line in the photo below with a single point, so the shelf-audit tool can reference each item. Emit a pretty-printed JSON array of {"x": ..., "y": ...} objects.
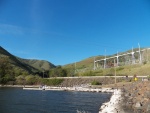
[
  {"x": 6, "y": 71},
  {"x": 9, "y": 74}
]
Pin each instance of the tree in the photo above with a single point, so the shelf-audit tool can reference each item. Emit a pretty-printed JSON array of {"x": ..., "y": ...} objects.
[
  {"x": 58, "y": 72},
  {"x": 6, "y": 71},
  {"x": 63, "y": 73},
  {"x": 20, "y": 79},
  {"x": 32, "y": 80},
  {"x": 4, "y": 66}
]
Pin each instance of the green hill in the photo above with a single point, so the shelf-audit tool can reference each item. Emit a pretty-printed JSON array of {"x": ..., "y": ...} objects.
[
  {"x": 83, "y": 64},
  {"x": 38, "y": 64},
  {"x": 26, "y": 65},
  {"x": 125, "y": 64}
]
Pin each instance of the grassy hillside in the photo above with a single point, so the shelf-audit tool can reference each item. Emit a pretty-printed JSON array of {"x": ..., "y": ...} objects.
[
  {"x": 125, "y": 67},
  {"x": 84, "y": 64},
  {"x": 130, "y": 70}
]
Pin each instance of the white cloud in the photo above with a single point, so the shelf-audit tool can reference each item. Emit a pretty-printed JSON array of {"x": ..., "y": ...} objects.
[{"x": 10, "y": 29}]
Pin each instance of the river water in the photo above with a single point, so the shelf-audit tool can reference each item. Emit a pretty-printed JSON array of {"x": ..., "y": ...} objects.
[{"x": 17, "y": 100}]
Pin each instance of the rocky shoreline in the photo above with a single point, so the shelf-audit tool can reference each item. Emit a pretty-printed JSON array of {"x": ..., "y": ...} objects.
[
  {"x": 129, "y": 98},
  {"x": 85, "y": 88},
  {"x": 113, "y": 105},
  {"x": 137, "y": 97}
]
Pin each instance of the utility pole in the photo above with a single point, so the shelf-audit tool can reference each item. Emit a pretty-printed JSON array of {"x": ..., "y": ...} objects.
[
  {"x": 94, "y": 63},
  {"x": 115, "y": 70},
  {"x": 139, "y": 54},
  {"x": 117, "y": 59},
  {"x": 147, "y": 55},
  {"x": 75, "y": 68},
  {"x": 105, "y": 60},
  {"x": 43, "y": 73},
  {"x": 133, "y": 59}
]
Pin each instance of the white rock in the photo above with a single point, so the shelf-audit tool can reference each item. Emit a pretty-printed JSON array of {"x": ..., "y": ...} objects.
[{"x": 112, "y": 106}]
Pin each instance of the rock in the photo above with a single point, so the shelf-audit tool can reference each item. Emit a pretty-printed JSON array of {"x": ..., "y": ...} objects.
[
  {"x": 129, "y": 94},
  {"x": 138, "y": 105},
  {"x": 148, "y": 108},
  {"x": 147, "y": 94}
]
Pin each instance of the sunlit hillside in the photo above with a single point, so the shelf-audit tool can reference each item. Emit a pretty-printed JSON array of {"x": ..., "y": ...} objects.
[{"x": 126, "y": 65}]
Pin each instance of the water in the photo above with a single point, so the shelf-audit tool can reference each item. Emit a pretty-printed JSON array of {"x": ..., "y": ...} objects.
[{"x": 16, "y": 100}]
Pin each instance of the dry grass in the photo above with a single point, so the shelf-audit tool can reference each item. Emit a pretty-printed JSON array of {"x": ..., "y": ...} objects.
[
  {"x": 88, "y": 64},
  {"x": 136, "y": 69}
]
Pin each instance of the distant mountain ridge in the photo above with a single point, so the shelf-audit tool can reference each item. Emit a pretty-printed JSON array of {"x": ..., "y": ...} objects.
[
  {"x": 28, "y": 65},
  {"x": 38, "y": 64}
]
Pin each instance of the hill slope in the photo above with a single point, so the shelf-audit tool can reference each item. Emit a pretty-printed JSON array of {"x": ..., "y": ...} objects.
[
  {"x": 39, "y": 64},
  {"x": 31, "y": 66},
  {"x": 88, "y": 64}
]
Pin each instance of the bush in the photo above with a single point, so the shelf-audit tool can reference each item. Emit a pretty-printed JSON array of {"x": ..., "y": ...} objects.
[
  {"x": 96, "y": 83},
  {"x": 30, "y": 80},
  {"x": 119, "y": 69},
  {"x": 58, "y": 72},
  {"x": 7, "y": 78},
  {"x": 52, "y": 82},
  {"x": 20, "y": 80},
  {"x": 145, "y": 62},
  {"x": 109, "y": 75},
  {"x": 88, "y": 73},
  {"x": 99, "y": 71}
]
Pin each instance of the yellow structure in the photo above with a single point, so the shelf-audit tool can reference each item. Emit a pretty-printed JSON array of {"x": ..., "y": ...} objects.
[{"x": 135, "y": 79}]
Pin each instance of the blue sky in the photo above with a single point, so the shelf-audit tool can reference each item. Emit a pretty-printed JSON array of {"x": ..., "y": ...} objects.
[{"x": 67, "y": 31}]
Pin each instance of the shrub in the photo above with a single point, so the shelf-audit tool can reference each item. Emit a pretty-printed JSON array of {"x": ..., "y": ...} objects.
[
  {"x": 96, "y": 83},
  {"x": 32, "y": 80},
  {"x": 145, "y": 62},
  {"x": 58, "y": 72},
  {"x": 20, "y": 79},
  {"x": 109, "y": 75},
  {"x": 88, "y": 73},
  {"x": 99, "y": 71},
  {"x": 52, "y": 82},
  {"x": 119, "y": 69}
]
